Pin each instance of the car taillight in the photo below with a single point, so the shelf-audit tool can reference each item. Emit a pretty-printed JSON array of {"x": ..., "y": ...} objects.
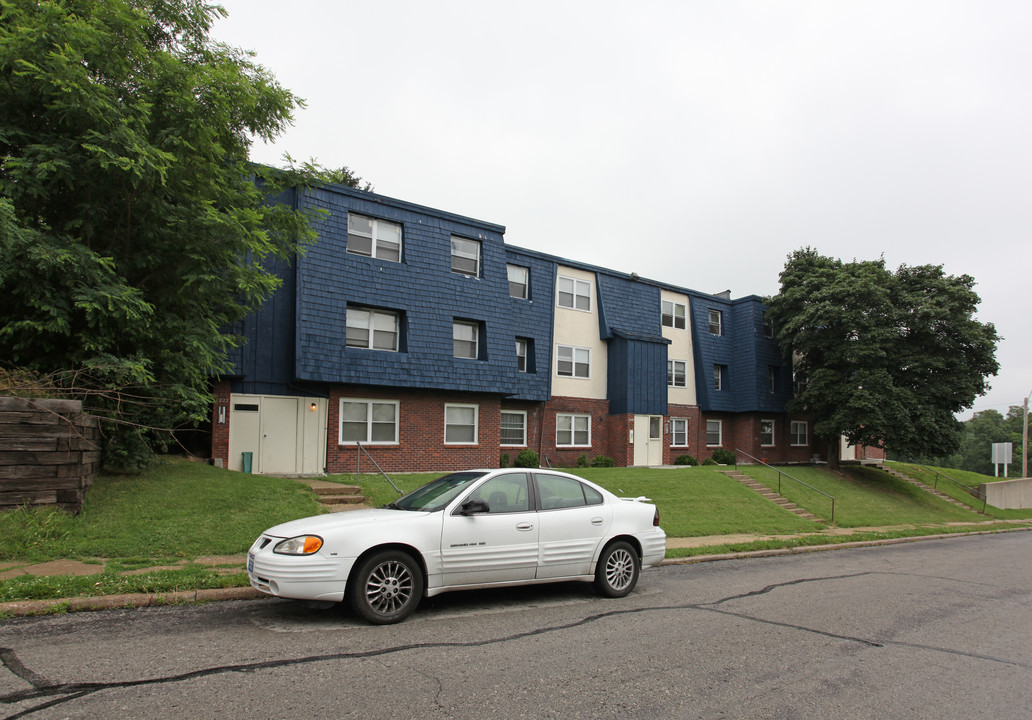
[{"x": 655, "y": 519}]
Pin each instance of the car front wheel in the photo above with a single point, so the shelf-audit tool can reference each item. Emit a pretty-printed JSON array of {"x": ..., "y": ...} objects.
[
  {"x": 617, "y": 571},
  {"x": 387, "y": 587}
]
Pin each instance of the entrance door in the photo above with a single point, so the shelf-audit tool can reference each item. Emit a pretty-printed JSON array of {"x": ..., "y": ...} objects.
[
  {"x": 648, "y": 440},
  {"x": 279, "y": 435}
]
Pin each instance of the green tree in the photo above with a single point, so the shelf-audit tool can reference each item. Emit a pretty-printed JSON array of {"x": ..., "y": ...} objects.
[
  {"x": 132, "y": 227},
  {"x": 884, "y": 359}
]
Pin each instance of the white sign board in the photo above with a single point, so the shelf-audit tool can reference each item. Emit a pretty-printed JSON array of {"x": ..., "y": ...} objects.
[{"x": 1003, "y": 453}]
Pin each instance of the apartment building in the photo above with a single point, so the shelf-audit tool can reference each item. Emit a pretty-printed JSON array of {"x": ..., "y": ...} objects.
[{"x": 419, "y": 339}]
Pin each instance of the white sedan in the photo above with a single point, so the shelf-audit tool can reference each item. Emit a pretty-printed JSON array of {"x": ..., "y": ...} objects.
[{"x": 474, "y": 529}]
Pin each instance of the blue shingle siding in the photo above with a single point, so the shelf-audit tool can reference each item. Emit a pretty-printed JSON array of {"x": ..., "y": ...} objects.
[
  {"x": 422, "y": 289},
  {"x": 532, "y": 318},
  {"x": 635, "y": 383},
  {"x": 743, "y": 350}
]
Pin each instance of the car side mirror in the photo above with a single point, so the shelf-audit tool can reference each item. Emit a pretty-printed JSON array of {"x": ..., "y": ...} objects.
[{"x": 473, "y": 507}]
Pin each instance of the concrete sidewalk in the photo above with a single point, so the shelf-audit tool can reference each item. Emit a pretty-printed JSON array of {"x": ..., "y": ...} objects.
[{"x": 75, "y": 567}]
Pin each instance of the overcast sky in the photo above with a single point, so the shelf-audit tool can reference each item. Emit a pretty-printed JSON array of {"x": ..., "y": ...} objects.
[{"x": 696, "y": 143}]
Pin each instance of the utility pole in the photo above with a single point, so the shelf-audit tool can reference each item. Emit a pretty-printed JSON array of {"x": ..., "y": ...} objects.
[{"x": 1024, "y": 437}]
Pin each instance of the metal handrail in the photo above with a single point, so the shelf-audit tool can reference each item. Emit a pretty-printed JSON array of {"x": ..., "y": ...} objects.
[
  {"x": 365, "y": 452},
  {"x": 781, "y": 472},
  {"x": 966, "y": 488}
]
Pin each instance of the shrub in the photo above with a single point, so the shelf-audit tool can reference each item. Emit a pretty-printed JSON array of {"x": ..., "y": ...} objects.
[
  {"x": 686, "y": 460},
  {"x": 582, "y": 460},
  {"x": 603, "y": 461},
  {"x": 709, "y": 461},
  {"x": 723, "y": 456},
  {"x": 504, "y": 461},
  {"x": 526, "y": 459}
]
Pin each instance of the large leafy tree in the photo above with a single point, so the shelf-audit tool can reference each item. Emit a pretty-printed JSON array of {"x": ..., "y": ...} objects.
[
  {"x": 132, "y": 228},
  {"x": 883, "y": 358}
]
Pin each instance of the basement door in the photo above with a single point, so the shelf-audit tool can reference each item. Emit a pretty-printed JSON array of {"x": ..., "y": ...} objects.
[
  {"x": 648, "y": 440},
  {"x": 286, "y": 435}
]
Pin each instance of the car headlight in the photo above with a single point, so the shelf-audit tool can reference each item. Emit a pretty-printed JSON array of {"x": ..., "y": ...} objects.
[{"x": 300, "y": 545}]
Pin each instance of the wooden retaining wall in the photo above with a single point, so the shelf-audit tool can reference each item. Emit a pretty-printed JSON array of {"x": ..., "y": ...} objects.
[{"x": 49, "y": 452}]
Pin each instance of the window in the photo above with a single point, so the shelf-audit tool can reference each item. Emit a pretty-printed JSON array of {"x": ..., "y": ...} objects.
[
  {"x": 372, "y": 329},
  {"x": 573, "y": 361},
  {"x": 519, "y": 281},
  {"x": 673, "y": 315},
  {"x": 768, "y": 326},
  {"x": 521, "y": 354},
  {"x": 374, "y": 238},
  {"x": 799, "y": 431},
  {"x": 465, "y": 339},
  {"x": 572, "y": 430},
  {"x": 561, "y": 492},
  {"x": 716, "y": 322},
  {"x": 719, "y": 379},
  {"x": 772, "y": 375},
  {"x": 676, "y": 373},
  {"x": 368, "y": 421},
  {"x": 766, "y": 433},
  {"x": 574, "y": 294},
  {"x": 460, "y": 424},
  {"x": 713, "y": 432},
  {"x": 504, "y": 493},
  {"x": 514, "y": 428},
  {"x": 465, "y": 256},
  {"x": 678, "y": 432}
]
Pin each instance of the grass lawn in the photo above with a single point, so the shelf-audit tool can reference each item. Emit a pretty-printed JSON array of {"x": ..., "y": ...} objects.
[
  {"x": 692, "y": 501},
  {"x": 940, "y": 479},
  {"x": 863, "y": 497},
  {"x": 177, "y": 509}
]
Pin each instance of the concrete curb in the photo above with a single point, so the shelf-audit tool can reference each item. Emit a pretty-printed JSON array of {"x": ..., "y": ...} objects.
[
  {"x": 25, "y": 608},
  {"x": 831, "y": 546}
]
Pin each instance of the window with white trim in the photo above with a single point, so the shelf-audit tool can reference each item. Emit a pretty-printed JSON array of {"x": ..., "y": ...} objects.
[
  {"x": 519, "y": 281},
  {"x": 799, "y": 433},
  {"x": 714, "y": 430},
  {"x": 460, "y": 424},
  {"x": 674, "y": 314},
  {"x": 372, "y": 329},
  {"x": 676, "y": 373},
  {"x": 572, "y": 430},
  {"x": 514, "y": 428},
  {"x": 719, "y": 377},
  {"x": 465, "y": 256},
  {"x": 374, "y": 422},
  {"x": 716, "y": 322},
  {"x": 572, "y": 361},
  {"x": 465, "y": 339},
  {"x": 574, "y": 294},
  {"x": 521, "y": 354},
  {"x": 678, "y": 432},
  {"x": 766, "y": 433},
  {"x": 374, "y": 238}
]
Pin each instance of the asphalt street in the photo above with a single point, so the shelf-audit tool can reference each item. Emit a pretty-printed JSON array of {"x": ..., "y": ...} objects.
[{"x": 936, "y": 629}]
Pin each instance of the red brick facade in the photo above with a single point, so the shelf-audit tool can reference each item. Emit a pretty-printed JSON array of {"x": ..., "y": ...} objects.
[{"x": 421, "y": 445}]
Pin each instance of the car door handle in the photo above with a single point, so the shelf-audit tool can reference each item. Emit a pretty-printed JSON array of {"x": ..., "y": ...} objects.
[
  {"x": 524, "y": 527},
  {"x": 596, "y": 521}
]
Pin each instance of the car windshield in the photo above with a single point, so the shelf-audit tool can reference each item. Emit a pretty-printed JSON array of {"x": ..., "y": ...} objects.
[{"x": 437, "y": 494}]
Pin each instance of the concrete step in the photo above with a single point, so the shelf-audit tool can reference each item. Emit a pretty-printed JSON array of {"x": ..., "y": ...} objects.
[
  {"x": 341, "y": 499},
  {"x": 331, "y": 489}
]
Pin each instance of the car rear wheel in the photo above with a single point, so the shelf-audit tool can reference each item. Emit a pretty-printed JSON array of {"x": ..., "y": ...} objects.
[
  {"x": 617, "y": 571},
  {"x": 387, "y": 587}
]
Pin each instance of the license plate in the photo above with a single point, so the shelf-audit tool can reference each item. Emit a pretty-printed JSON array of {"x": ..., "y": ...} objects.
[{"x": 250, "y": 563}]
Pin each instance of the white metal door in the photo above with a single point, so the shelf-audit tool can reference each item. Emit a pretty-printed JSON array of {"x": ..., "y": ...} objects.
[
  {"x": 279, "y": 435},
  {"x": 648, "y": 440}
]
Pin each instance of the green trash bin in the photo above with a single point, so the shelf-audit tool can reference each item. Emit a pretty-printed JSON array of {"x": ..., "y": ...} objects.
[{"x": 247, "y": 462}]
